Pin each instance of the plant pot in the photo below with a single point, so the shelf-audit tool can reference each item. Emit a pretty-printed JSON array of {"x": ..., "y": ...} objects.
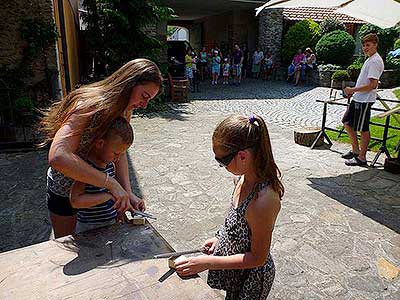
[
  {"x": 338, "y": 85},
  {"x": 392, "y": 165},
  {"x": 348, "y": 83}
]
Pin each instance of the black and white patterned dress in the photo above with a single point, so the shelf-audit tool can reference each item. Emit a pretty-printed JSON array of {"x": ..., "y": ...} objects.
[{"x": 234, "y": 237}]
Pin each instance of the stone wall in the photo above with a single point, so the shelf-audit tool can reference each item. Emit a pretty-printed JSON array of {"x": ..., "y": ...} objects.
[
  {"x": 11, "y": 43},
  {"x": 270, "y": 31}
]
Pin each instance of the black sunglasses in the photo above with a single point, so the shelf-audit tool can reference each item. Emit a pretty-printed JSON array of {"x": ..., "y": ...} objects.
[{"x": 226, "y": 160}]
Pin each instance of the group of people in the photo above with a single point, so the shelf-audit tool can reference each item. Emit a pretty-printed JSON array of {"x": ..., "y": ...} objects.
[
  {"x": 214, "y": 63},
  {"x": 231, "y": 65},
  {"x": 301, "y": 64},
  {"x": 88, "y": 180}
]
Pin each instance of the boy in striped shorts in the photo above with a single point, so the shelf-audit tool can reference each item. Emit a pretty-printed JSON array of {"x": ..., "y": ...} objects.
[
  {"x": 358, "y": 113},
  {"x": 96, "y": 204}
]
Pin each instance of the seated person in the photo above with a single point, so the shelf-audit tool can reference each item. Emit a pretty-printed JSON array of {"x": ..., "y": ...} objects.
[
  {"x": 310, "y": 62},
  {"x": 96, "y": 205},
  {"x": 296, "y": 66}
]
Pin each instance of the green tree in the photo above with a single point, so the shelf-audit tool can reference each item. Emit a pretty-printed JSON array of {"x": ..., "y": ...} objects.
[
  {"x": 336, "y": 47},
  {"x": 117, "y": 31},
  {"x": 330, "y": 24},
  {"x": 303, "y": 34},
  {"x": 387, "y": 37}
]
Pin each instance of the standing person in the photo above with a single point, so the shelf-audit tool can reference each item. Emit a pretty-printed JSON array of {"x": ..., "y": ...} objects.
[
  {"x": 358, "y": 113},
  {"x": 225, "y": 70},
  {"x": 237, "y": 61},
  {"x": 258, "y": 56},
  {"x": 215, "y": 67},
  {"x": 245, "y": 65},
  {"x": 239, "y": 257},
  {"x": 96, "y": 204},
  {"x": 189, "y": 67},
  {"x": 203, "y": 63},
  {"x": 268, "y": 65},
  {"x": 72, "y": 127}
]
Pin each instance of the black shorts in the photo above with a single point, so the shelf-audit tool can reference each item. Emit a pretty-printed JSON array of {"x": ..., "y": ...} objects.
[
  {"x": 59, "y": 205},
  {"x": 357, "y": 116}
]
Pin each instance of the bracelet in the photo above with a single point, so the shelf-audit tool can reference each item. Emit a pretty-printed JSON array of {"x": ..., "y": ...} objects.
[{"x": 106, "y": 180}]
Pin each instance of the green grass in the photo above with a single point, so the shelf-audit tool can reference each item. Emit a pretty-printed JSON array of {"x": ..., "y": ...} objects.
[
  {"x": 376, "y": 131},
  {"x": 397, "y": 93}
]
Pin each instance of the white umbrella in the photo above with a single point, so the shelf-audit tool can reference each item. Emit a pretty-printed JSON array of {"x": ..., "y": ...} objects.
[{"x": 383, "y": 13}]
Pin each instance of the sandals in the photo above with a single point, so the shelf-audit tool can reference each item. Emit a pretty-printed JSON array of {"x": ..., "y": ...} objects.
[
  {"x": 355, "y": 161},
  {"x": 349, "y": 155}
]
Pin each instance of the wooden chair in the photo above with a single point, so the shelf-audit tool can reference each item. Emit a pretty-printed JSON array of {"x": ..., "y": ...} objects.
[{"x": 179, "y": 88}]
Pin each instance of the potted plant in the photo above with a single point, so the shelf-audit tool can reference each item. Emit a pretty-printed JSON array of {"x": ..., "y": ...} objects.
[
  {"x": 24, "y": 108},
  {"x": 340, "y": 79}
]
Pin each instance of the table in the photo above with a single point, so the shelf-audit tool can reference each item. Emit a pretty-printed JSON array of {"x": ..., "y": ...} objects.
[{"x": 113, "y": 262}]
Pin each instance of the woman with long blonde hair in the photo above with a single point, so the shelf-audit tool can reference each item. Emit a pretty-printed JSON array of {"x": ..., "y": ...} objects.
[{"x": 73, "y": 125}]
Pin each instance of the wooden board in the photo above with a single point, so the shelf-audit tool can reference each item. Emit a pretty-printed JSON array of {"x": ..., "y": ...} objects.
[{"x": 114, "y": 262}]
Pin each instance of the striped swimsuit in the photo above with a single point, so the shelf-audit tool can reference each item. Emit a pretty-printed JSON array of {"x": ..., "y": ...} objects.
[{"x": 103, "y": 213}]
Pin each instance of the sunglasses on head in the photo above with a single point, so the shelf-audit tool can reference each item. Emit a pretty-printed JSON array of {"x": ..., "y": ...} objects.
[{"x": 226, "y": 160}]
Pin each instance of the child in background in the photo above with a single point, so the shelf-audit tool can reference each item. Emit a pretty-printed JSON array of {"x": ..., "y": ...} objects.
[
  {"x": 95, "y": 204},
  {"x": 225, "y": 69},
  {"x": 268, "y": 64},
  {"x": 215, "y": 67},
  {"x": 239, "y": 257},
  {"x": 194, "y": 71},
  {"x": 189, "y": 66}
]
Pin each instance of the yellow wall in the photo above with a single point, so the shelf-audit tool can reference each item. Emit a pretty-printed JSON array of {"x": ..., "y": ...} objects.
[
  {"x": 72, "y": 39},
  {"x": 72, "y": 33}
]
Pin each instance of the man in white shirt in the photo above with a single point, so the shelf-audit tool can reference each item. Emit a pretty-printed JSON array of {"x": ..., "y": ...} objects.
[{"x": 358, "y": 113}]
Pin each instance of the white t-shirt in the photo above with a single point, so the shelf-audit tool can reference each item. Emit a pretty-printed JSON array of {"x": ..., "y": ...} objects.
[{"x": 372, "y": 68}]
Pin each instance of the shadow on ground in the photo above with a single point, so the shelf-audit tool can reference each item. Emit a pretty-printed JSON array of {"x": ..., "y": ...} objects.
[
  {"x": 373, "y": 192},
  {"x": 24, "y": 218},
  {"x": 250, "y": 89}
]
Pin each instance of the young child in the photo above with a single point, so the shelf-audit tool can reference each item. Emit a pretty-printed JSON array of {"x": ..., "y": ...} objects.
[
  {"x": 95, "y": 204},
  {"x": 215, "y": 67},
  {"x": 189, "y": 66},
  {"x": 225, "y": 70},
  {"x": 241, "y": 263},
  {"x": 268, "y": 64}
]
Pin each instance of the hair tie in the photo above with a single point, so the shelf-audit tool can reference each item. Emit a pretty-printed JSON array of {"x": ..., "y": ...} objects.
[{"x": 252, "y": 119}]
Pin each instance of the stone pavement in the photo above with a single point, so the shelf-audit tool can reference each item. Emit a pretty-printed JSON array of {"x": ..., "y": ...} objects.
[{"x": 337, "y": 236}]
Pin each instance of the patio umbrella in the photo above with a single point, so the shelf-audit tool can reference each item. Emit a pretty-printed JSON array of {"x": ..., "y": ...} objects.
[{"x": 383, "y": 13}]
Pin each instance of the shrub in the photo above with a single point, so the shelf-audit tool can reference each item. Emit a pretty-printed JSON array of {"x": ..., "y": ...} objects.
[
  {"x": 396, "y": 44},
  {"x": 354, "y": 70},
  {"x": 303, "y": 34},
  {"x": 336, "y": 47},
  {"x": 340, "y": 75},
  {"x": 392, "y": 63},
  {"x": 387, "y": 37},
  {"x": 329, "y": 25}
]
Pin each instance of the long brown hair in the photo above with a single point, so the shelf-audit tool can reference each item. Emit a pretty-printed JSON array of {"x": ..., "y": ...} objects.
[
  {"x": 107, "y": 98},
  {"x": 239, "y": 132}
]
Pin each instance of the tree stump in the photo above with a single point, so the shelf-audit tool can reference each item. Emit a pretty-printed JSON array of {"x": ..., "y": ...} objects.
[{"x": 306, "y": 136}]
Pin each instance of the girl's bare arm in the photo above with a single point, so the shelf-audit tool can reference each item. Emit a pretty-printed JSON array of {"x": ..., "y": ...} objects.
[
  {"x": 260, "y": 215},
  {"x": 63, "y": 158}
]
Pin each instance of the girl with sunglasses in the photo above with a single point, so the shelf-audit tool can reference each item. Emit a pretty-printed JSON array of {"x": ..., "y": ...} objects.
[{"x": 238, "y": 257}]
